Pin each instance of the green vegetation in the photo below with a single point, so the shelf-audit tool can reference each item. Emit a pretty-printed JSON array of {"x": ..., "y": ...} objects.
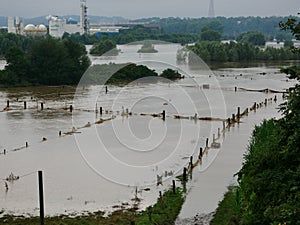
[
  {"x": 9, "y": 40},
  {"x": 147, "y": 47},
  {"x": 171, "y": 74},
  {"x": 46, "y": 62},
  {"x": 236, "y": 52},
  {"x": 227, "y": 212},
  {"x": 107, "y": 47},
  {"x": 164, "y": 212},
  {"x": 269, "y": 187},
  {"x": 117, "y": 74},
  {"x": 231, "y": 27},
  {"x": 122, "y": 74},
  {"x": 252, "y": 37}
]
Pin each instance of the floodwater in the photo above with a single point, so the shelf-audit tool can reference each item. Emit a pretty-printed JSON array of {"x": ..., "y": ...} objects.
[{"x": 111, "y": 158}]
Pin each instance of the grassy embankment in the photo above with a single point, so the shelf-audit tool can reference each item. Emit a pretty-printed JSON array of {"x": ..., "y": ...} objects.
[
  {"x": 164, "y": 212},
  {"x": 269, "y": 188}
]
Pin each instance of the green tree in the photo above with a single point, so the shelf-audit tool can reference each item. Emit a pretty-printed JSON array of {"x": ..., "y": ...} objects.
[
  {"x": 171, "y": 74},
  {"x": 210, "y": 35},
  {"x": 104, "y": 47},
  {"x": 17, "y": 61},
  {"x": 253, "y": 37}
]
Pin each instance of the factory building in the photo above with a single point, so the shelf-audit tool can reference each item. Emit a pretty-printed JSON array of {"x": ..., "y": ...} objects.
[
  {"x": 15, "y": 25},
  {"x": 39, "y": 30},
  {"x": 59, "y": 26}
]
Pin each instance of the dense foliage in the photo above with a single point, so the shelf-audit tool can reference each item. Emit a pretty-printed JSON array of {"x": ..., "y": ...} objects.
[
  {"x": 107, "y": 47},
  {"x": 46, "y": 62},
  {"x": 253, "y": 37},
  {"x": 119, "y": 74},
  {"x": 230, "y": 27},
  {"x": 9, "y": 40},
  {"x": 241, "y": 51},
  {"x": 122, "y": 74},
  {"x": 171, "y": 74},
  {"x": 269, "y": 181}
]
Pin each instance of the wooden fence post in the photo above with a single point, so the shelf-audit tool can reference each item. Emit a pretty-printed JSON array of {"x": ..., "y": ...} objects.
[
  {"x": 184, "y": 174},
  {"x": 201, "y": 153},
  {"x": 174, "y": 187},
  {"x": 41, "y": 195}
]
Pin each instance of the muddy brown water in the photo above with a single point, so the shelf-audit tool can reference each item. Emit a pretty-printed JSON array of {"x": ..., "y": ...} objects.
[{"x": 100, "y": 166}]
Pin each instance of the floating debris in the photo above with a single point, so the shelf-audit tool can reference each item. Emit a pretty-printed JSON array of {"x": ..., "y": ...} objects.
[
  {"x": 215, "y": 145},
  {"x": 102, "y": 120},
  {"x": 12, "y": 177}
]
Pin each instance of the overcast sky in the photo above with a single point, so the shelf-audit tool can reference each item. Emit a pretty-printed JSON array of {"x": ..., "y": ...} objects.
[{"x": 150, "y": 8}]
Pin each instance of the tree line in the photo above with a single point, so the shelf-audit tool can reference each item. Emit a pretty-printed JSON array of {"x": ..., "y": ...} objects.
[
  {"x": 231, "y": 27},
  {"x": 45, "y": 61},
  {"x": 236, "y": 52}
]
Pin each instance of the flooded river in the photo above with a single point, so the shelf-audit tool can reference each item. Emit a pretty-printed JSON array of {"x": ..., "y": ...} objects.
[{"x": 100, "y": 160}]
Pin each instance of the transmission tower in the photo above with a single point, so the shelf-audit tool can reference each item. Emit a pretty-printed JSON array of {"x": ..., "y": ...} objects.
[{"x": 211, "y": 9}]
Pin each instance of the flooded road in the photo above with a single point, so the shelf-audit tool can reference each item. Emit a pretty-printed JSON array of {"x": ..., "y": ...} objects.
[{"x": 99, "y": 160}]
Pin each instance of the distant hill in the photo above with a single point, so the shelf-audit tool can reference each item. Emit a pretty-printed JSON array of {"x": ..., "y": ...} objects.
[
  {"x": 43, "y": 20},
  {"x": 3, "y": 21}
]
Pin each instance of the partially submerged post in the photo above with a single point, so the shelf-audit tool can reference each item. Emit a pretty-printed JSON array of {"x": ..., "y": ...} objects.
[
  {"x": 42, "y": 105},
  {"x": 174, "y": 187},
  {"x": 201, "y": 153},
  {"x": 7, "y": 103},
  {"x": 184, "y": 174},
  {"x": 101, "y": 110},
  {"x": 233, "y": 118},
  {"x": 41, "y": 197},
  {"x": 25, "y": 105},
  {"x": 238, "y": 113},
  {"x": 191, "y": 162},
  {"x": 163, "y": 114},
  {"x": 71, "y": 108},
  {"x": 206, "y": 142}
]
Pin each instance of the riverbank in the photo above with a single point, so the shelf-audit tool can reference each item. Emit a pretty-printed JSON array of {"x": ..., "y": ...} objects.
[
  {"x": 268, "y": 188},
  {"x": 163, "y": 212}
]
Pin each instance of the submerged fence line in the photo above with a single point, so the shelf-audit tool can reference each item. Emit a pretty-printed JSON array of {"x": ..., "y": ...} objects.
[
  {"x": 230, "y": 122},
  {"x": 125, "y": 113}
]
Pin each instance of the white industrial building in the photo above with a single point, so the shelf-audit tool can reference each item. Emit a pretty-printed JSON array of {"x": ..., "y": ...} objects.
[
  {"x": 15, "y": 25},
  {"x": 58, "y": 26}
]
